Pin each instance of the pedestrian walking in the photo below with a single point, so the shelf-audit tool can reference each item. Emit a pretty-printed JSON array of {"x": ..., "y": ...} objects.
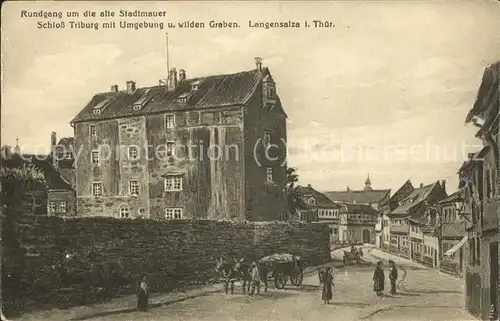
[
  {"x": 255, "y": 277},
  {"x": 379, "y": 279},
  {"x": 142, "y": 293},
  {"x": 327, "y": 285},
  {"x": 393, "y": 276}
]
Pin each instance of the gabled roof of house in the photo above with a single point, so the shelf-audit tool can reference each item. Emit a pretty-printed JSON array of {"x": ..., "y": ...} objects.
[
  {"x": 488, "y": 90},
  {"x": 417, "y": 197},
  {"x": 321, "y": 199},
  {"x": 450, "y": 199},
  {"x": 403, "y": 192},
  {"x": 53, "y": 180},
  {"x": 358, "y": 208},
  {"x": 67, "y": 141},
  {"x": 360, "y": 197},
  {"x": 213, "y": 91}
]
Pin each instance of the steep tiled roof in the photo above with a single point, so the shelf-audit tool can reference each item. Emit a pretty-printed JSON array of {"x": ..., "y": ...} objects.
[
  {"x": 321, "y": 199},
  {"x": 419, "y": 195},
  {"x": 403, "y": 192},
  {"x": 488, "y": 90},
  {"x": 213, "y": 91},
  {"x": 452, "y": 198},
  {"x": 358, "y": 208},
  {"x": 360, "y": 197}
]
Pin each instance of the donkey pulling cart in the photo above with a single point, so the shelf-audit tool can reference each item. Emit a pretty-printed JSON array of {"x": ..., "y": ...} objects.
[{"x": 282, "y": 267}]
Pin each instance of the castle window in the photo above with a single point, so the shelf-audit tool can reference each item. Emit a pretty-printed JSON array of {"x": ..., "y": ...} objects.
[
  {"x": 97, "y": 189},
  {"x": 133, "y": 152},
  {"x": 95, "y": 157},
  {"x": 124, "y": 212},
  {"x": 170, "y": 148},
  {"x": 173, "y": 213},
  {"x": 267, "y": 138},
  {"x": 173, "y": 183},
  {"x": 97, "y": 112},
  {"x": 133, "y": 187},
  {"x": 169, "y": 121},
  {"x": 92, "y": 131},
  {"x": 269, "y": 175},
  {"x": 52, "y": 207},
  {"x": 61, "y": 208}
]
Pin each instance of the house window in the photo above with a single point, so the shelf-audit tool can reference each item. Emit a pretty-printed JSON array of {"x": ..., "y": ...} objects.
[
  {"x": 267, "y": 138},
  {"x": 61, "y": 208},
  {"x": 133, "y": 187},
  {"x": 133, "y": 152},
  {"x": 97, "y": 189},
  {"x": 97, "y": 111},
  {"x": 92, "y": 131},
  {"x": 173, "y": 213},
  {"x": 69, "y": 155},
  {"x": 124, "y": 212},
  {"x": 269, "y": 175},
  {"x": 270, "y": 92},
  {"x": 169, "y": 121},
  {"x": 95, "y": 157},
  {"x": 173, "y": 183},
  {"x": 170, "y": 148},
  {"x": 52, "y": 207}
]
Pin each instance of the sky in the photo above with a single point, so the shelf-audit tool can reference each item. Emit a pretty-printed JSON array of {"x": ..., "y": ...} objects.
[{"x": 385, "y": 92}]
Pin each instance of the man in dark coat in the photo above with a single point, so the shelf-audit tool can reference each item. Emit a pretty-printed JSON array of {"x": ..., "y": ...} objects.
[
  {"x": 143, "y": 293},
  {"x": 393, "y": 276},
  {"x": 378, "y": 279}
]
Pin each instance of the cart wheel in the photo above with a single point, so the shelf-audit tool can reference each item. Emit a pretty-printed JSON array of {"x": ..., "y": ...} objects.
[
  {"x": 297, "y": 278},
  {"x": 280, "y": 281}
]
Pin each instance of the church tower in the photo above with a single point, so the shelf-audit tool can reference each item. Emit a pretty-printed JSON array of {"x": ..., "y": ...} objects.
[
  {"x": 368, "y": 184},
  {"x": 17, "y": 149}
]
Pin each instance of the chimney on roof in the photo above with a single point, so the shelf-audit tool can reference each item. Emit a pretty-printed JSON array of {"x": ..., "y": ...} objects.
[
  {"x": 309, "y": 185},
  {"x": 258, "y": 63},
  {"x": 443, "y": 185},
  {"x": 53, "y": 140},
  {"x": 421, "y": 184},
  {"x": 348, "y": 188},
  {"x": 114, "y": 89},
  {"x": 182, "y": 74},
  {"x": 172, "y": 79},
  {"x": 130, "y": 87}
]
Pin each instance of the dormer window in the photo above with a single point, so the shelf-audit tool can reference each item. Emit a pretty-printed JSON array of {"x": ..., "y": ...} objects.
[
  {"x": 195, "y": 85},
  {"x": 183, "y": 98},
  {"x": 141, "y": 102},
  {"x": 312, "y": 201},
  {"x": 97, "y": 111}
]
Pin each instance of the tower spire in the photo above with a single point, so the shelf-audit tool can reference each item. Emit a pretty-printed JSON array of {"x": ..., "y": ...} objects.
[
  {"x": 17, "y": 149},
  {"x": 368, "y": 183}
]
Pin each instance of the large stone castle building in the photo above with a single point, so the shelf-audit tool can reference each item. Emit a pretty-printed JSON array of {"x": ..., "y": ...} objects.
[{"x": 204, "y": 148}]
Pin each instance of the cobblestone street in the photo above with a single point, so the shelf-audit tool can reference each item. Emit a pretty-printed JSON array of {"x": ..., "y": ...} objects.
[{"x": 426, "y": 295}]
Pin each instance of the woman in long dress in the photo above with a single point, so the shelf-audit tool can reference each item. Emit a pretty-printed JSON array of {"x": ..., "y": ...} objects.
[
  {"x": 327, "y": 285},
  {"x": 142, "y": 293},
  {"x": 378, "y": 279}
]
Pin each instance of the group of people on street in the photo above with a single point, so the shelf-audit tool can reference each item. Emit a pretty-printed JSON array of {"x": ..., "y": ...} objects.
[
  {"x": 379, "y": 278},
  {"x": 326, "y": 278}
]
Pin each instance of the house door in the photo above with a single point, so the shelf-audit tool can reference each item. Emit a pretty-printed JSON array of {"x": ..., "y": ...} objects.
[
  {"x": 494, "y": 277},
  {"x": 366, "y": 236}
]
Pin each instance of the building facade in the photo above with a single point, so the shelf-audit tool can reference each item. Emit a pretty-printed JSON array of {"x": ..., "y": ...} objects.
[
  {"x": 480, "y": 188},
  {"x": 385, "y": 232},
  {"x": 319, "y": 208},
  {"x": 411, "y": 216},
  {"x": 357, "y": 223},
  {"x": 453, "y": 235},
  {"x": 201, "y": 148}
]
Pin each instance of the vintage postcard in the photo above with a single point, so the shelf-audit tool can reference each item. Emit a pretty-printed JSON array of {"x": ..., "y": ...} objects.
[{"x": 250, "y": 160}]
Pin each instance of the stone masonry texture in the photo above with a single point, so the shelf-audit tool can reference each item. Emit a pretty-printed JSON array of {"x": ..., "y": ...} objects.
[{"x": 69, "y": 261}]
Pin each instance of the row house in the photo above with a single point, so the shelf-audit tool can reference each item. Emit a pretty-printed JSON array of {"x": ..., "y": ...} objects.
[
  {"x": 480, "y": 189},
  {"x": 319, "y": 208},
  {"x": 403, "y": 192},
  {"x": 411, "y": 216},
  {"x": 378, "y": 199},
  {"x": 201, "y": 148},
  {"x": 357, "y": 223},
  {"x": 453, "y": 235}
]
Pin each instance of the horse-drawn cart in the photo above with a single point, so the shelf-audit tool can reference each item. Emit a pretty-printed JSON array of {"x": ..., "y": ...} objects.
[
  {"x": 282, "y": 267},
  {"x": 352, "y": 256}
]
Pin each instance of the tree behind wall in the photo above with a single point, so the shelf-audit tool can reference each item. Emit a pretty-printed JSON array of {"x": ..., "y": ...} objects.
[
  {"x": 18, "y": 178},
  {"x": 294, "y": 200}
]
